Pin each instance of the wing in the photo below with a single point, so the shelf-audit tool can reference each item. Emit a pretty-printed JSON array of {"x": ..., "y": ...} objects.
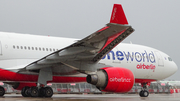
[{"x": 85, "y": 53}]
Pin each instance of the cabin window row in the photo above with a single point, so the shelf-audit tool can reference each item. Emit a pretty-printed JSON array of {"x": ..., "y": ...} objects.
[{"x": 34, "y": 48}]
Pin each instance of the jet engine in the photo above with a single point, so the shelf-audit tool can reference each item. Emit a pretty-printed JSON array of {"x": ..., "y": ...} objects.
[{"x": 112, "y": 79}]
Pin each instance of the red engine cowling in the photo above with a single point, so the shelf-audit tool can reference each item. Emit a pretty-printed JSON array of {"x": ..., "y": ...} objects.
[
  {"x": 19, "y": 86},
  {"x": 112, "y": 79}
]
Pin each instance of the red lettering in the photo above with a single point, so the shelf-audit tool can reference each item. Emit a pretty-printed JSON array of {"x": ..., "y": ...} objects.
[
  {"x": 138, "y": 67},
  {"x": 147, "y": 67},
  {"x": 143, "y": 66}
]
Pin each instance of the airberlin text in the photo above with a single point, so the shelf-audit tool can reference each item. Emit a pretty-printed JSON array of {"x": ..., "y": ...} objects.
[
  {"x": 142, "y": 66},
  {"x": 131, "y": 56},
  {"x": 114, "y": 79}
]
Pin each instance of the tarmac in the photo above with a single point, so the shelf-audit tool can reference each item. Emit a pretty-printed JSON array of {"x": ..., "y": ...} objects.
[{"x": 95, "y": 97}]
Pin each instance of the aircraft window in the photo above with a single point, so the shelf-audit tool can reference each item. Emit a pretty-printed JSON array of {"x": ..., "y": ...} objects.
[
  {"x": 14, "y": 47},
  {"x": 24, "y": 47},
  {"x": 53, "y": 49},
  {"x": 50, "y": 49},
  {"x": 46, "y": 49},
  {"x": 36, "y": 48},
  {"x": 32, "y": 48},
  {"x": 21, "y": 47},
  {"x": 29, "y": 48},
  {"x": 43, "y": 49},
  {"x": 40, "y": 48},
  {"x": 169, "y": 59},
  {"x": 17, "y": 47}
]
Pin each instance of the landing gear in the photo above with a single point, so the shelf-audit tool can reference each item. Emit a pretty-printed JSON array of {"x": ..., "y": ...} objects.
[
  {"x": 35, "y": 92},
  {"x": 42, "y": 92},
  {"x": 45, "y": 92},
  {"x": 48, "y": 92},
  {"x": 144, "y": 92},
  {"x": 24, "y": 92},
  {"x": 2, "y": 91}
]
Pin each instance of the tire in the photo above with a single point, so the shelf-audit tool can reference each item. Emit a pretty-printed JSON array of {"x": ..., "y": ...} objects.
[
  {"x": 34, "y": 92},
  {"x": 24, "y": 92},
  {"x": 141, "y": 93},
  {"x": 2, "y": 91},
  {"x": 48, "y": 92},
  {"x": 42, "y": 92},
  {"x": 145, "y": 93}
]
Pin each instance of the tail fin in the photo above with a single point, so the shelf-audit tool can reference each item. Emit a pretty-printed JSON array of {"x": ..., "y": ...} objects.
[{"x": 118, "y": 15}]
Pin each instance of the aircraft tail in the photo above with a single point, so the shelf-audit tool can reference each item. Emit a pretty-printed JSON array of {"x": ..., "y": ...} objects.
[{"x": 118, "y": 15}]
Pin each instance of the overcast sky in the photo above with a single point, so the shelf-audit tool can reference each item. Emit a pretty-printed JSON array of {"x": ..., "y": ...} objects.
[{"x": 156, "y": 22}]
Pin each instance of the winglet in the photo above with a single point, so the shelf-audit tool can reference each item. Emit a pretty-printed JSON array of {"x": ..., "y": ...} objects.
[{"x": 118, "y": 15}]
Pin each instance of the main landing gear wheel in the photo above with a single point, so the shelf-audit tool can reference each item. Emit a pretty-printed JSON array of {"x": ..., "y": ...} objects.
[
  {"x": 42, "y": 92},
  {"x": 34, "y": 92},
  {"x": 48, "y": 92},
  {"x": 24, "y": 92},
  {"x": 2, "y": 91}
]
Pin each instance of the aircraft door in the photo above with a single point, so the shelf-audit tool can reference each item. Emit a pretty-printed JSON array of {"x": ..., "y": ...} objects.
[{"x": 160, "y": 60}]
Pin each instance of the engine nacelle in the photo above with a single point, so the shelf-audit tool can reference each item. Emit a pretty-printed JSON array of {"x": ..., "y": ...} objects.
[
  {"x": 112, "y": 79},
  {"x": 19, "y": 86}
]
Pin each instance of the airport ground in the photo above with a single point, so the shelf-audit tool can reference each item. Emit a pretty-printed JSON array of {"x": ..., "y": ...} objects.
[{"x": 95, "y": 97}]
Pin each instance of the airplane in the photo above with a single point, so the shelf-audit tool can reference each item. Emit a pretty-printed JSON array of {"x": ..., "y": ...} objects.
[{"x": 29, "y": 62}]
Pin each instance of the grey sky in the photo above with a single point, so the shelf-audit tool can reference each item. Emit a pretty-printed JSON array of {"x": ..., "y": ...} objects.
[{"x": 156, "y": 22}]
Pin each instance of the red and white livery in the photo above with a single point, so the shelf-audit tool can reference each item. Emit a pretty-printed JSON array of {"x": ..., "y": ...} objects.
[{"x": 29, "y": 62}]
